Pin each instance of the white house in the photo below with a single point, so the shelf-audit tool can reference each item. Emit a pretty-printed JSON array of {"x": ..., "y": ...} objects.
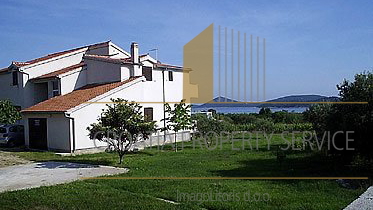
[{"x": 62, "y": 93}]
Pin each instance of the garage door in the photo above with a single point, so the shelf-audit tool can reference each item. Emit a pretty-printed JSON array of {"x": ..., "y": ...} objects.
[{"x": 38, "y": 133}]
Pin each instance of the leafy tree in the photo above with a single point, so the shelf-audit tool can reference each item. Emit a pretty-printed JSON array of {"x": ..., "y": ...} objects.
[
  {"x": 264, "y": 125},
  {"x": 208, "y": 127},
  {"x": 240, "y": 118},
  {"x": 318, "y": 115},
  {"x": 286, "y": 117},
  {"x": 353, "y": 117},
  {"x": 349, "y": 117},
  {"x": 121, "y": 125},
  {"x": 265, "y": 111},
  {"x": 8, "y": 112},
  {"x": 179, "y": 118},
  {"x": 213, "y": 111}
]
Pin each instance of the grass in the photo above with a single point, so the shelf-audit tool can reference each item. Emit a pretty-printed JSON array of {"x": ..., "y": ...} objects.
[{"x": 196, "y": 162}]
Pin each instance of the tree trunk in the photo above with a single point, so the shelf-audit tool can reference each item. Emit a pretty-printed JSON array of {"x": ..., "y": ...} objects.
[
  {"x": 175, "y": 143},
  {"x": 121, "y": 158}
]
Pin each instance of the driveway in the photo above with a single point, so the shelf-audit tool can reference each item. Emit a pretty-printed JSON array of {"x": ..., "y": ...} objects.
[
  {"x": 364, "y": 202},
  {"x": 50, "y": 173}
]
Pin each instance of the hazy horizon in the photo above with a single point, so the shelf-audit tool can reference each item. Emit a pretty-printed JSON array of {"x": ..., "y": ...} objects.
[{"x": 311, "y": 46}]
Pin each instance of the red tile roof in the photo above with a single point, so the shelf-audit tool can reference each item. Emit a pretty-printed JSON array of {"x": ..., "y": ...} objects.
[
  {"x": 108, "y": 59},
  {"x": 49, "y": 56},
  {"x": 65, "y": 102},
  {"x": 59, "y": 72},
  {"x": 4, "y": 70},
  {"x": 163, "y": 65}
]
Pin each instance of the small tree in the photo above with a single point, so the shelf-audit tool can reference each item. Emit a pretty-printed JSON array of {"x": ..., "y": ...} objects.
[
  {"x": 121, "y": 125},
  {"x": 357, "y": 118},
  {"x": 319, "y": 116},
  {"x": 348, "y": 117},
  {"x": 178, "y": 118},
  {"x": 208, "y": 127},
  {"x": 8, "y": 113},
  {"x": 265, "y": 111}
]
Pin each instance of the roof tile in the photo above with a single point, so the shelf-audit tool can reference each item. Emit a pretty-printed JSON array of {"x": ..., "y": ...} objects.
[
  {"x": 49, "y": 56},
  {"x": 60, "y": 71},
  {"x": 108, "y": 59},
  {"x": 65, "y": 102}
]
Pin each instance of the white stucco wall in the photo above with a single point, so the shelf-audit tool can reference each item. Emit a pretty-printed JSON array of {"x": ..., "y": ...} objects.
[
  {"x": 59, "y": 127},
  {"x": 10, "y": 92},
  {"x": 90, "y": 112},
  {"x": 59, "y": 131},
  {"x": 117, "y": 52},
  {"x": 143, "y": 91},
  {"x": 126, "y": 72},
  {"x": 102, "y": 72},
  {"x": 45, "y": 67},
  {"x": 58, "y": 140},
  {"x": 140, "y": 91},
  {"x": 73, "y": 80},
  {"x": 99, "y": 51},
  {"x": 54, "y": 64},
  {"x": 173, "y": 89}
]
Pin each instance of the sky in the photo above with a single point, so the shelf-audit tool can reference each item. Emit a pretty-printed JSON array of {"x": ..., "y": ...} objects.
[{"x": 311, "y": 46}]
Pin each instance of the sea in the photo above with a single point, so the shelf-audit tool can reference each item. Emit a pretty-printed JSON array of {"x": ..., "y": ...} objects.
[{"x": 231, "y": 110}]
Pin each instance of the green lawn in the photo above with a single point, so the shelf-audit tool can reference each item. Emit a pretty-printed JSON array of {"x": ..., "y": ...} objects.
[{"x": 195, "y": 162}]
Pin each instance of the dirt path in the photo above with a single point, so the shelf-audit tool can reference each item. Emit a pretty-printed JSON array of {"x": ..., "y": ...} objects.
[{"x": 8, "y": 159}]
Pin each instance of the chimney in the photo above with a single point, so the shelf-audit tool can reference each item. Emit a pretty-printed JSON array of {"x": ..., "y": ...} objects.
[{"x": 135, "y": 53}]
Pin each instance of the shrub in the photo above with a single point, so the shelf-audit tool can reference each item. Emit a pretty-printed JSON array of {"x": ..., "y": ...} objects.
[
  {"x": 8, "y": 113},
  {"x": 349, "y": 117},
  {"x": 264, "y": 125}
]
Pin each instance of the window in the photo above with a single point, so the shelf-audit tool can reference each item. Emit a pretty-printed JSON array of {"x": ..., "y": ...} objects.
[
  {"x": 55, "y": 88},
  {"x": 170, "y": 76},
  {"x": 15, "y": 78},
  {"x": 148, "y": 114},
  {"x": 147, "y": 72}
]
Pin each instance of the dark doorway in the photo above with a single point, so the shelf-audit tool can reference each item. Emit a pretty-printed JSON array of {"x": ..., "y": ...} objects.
[{"x": 38, "y": 133}]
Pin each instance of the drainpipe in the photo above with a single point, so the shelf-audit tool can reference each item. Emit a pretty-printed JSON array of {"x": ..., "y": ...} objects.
[
  {"x": 164, "y": 104},
  {"x": 73, "y": 125}
]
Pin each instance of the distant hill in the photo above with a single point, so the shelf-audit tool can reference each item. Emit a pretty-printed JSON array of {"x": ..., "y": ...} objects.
[
  {"x": 223, "y": 99},
  {"x": 292, "y": 98},
  {"x": 299, "y": 98}
]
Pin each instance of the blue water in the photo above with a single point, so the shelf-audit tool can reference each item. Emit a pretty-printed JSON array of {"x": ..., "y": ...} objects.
[{"x": 226, "y": 110}]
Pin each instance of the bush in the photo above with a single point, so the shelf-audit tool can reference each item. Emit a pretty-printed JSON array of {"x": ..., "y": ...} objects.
[
  {"x": 205, "y": 125},
  {"x": 286, "y": 117},
  {"x": 264, "y": 111},
  {"x": 8, "y": 112},
  {"x": 349, "y": 117},
  {"x": 319, "y": 116},
  {"x": 264, "y": 125}
]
